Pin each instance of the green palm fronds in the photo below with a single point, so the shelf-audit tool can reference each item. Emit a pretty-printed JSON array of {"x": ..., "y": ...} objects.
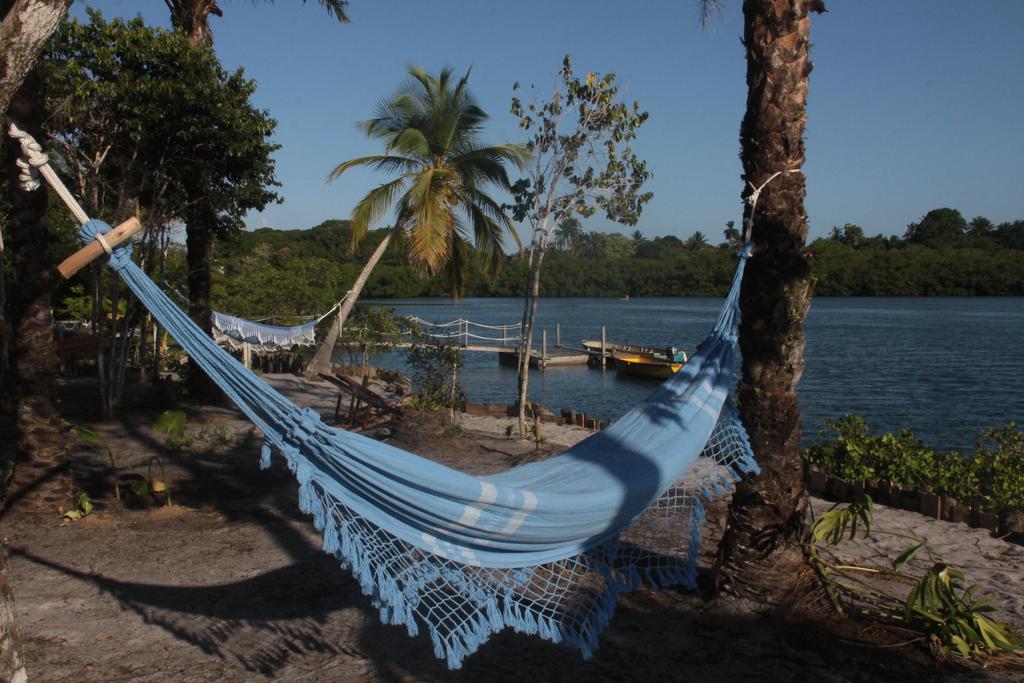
[{"x": 430, "y": 132}]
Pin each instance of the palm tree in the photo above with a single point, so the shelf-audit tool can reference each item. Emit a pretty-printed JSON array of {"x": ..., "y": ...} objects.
[
  {"x": 759, "y": 553},
  {"x": 568, "y": 234},
  {"x": 429, "y": 129},
  {"x": 696, "y": 242},
  {"x": 192, "y": 17},
  {"x": 41, "y": 481},
  {"x": 638, "y": 239}
]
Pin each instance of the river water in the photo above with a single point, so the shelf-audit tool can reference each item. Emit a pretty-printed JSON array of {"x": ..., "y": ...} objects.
[{"x": 946, "y": 367}]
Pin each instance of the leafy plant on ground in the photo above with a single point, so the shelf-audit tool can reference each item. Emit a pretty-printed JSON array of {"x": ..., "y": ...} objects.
[
  {"x": 93, "y": 438},
  {"x": 83, "y": 507},
  {"x": 434, "y": 366},
  {"x": 938, "y": 606},
  {"x": 992, "y": 478},
  {"x": 172, "y": 424}
]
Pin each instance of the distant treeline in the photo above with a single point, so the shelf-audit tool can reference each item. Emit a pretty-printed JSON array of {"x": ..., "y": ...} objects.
[{"x": 305, "y": 271}]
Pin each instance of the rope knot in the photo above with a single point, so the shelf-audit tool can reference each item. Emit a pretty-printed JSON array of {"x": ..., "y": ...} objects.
[{"x": 117, "y": 257}]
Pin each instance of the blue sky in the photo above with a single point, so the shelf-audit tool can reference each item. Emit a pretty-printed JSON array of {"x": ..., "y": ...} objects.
[{"x": 913, "y": 105}]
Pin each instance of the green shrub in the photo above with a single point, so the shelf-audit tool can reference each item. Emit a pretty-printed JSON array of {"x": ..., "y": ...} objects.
[{"x": 993, "y": 478}]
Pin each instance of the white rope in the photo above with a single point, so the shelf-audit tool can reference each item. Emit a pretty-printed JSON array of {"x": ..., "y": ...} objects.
[
  {"x": 36, "y": 163},
  {"x": 755, "y": 194},
  {"x": 463, "y": 321},
  {"x": 103, "y": 243}
]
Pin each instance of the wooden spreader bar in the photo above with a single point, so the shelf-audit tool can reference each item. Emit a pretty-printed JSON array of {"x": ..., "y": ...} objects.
[{"x": 92, "y": 251}]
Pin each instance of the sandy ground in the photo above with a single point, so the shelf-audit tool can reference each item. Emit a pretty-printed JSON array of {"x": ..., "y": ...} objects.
[{"x": 230, "y": 585}]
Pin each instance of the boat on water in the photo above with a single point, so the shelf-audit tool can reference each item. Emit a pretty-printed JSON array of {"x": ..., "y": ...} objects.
[
  {"x": 594, "y": 346},
  {"x": 656, "y": 365}
]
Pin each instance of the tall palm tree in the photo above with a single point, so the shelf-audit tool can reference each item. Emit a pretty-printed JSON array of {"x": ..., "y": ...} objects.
[
  {"x": 568, "y": 234},
  {"x": 758, "y": 553},
  {"x": 430, "y": 131},
  {"x": 192, "y": 17}
]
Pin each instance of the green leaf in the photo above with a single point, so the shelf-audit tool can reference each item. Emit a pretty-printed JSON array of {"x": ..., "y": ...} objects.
[
  {"x": 172, "y": 423},
  {"x": 85, "y": 503},
  {"x": 906, "y": 556}
]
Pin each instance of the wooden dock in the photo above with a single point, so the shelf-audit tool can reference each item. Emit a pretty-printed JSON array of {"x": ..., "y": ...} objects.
[
  {"x": 485, "y": 339},
  {"x": 541, "y": 360}
]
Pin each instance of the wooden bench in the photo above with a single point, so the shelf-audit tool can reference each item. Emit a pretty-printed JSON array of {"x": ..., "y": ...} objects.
[{"x": 366, "y": 408}]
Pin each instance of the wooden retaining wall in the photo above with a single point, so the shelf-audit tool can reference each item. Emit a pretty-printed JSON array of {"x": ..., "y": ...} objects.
[
  {"x": 1009, "y": 526},
  {"x": 567, "y": 417}
]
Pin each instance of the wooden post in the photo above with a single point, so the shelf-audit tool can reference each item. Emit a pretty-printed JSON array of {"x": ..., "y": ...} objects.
[
  {"x": 544, "y": 350},
  {"x": 247, "y": 355},
  {"x": 504, "y": 335},
  {"x": 72, "y": 264},
  {"x": 604, "y": 344},
  {"x": 558, "y": 335}
]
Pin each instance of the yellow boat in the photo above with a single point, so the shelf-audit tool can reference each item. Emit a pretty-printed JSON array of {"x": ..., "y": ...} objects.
[{"x": 647, "y": 364}]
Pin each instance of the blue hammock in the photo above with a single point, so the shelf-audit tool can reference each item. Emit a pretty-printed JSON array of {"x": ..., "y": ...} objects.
[{"x": 545, "y": 548}]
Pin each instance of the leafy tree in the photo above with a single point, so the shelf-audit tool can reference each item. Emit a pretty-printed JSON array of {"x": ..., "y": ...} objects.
[
  {"x": 980, "y": 227},
  {"x": 144, "y": 121},
  {"x": 759, "y": 554},
  {"x": 1010, "y": 235},
  {"x": 430, "y": 130},
  {"x": 203, "y": 221},
  {"x": 582, "y": 162},
  {"x": 938, "y": 228},
  {"x": 697, "y": 241}
]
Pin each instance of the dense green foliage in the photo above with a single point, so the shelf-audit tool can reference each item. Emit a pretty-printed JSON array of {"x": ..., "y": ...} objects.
[
  {"x": 993, "y": 478},
  {"x": 306, "y": 271},
  {"x": 146, "y": 123}
]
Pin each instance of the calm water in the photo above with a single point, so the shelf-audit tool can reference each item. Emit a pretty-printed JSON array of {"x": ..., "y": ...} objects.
[{"x": 945, "y": 367}]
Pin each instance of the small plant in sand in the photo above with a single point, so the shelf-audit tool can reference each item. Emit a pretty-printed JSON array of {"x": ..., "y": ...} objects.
[
  {"x": 95, "y": 439},
  {"x": 83, "y": 508},
  {"x": 948, "y": 615},
  {"x": 171, "y": 423}
]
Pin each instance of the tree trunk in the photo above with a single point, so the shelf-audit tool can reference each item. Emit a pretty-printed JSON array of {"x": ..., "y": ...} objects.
[
  {"x": 12, "y": 666},
  {"x": 199, "y": 235},
  {"x": 322, "y": 359},
  {"x": 192, "y": 17},
  {"x": 529, "y": 317},
  {"x": 27, "y": 24},
  {"x": 41, "y": 480},
  {"x": 759, "y": 550}
]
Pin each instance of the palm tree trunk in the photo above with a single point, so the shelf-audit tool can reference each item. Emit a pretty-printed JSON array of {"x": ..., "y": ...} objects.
[
  {"x": 322, "y": 359},
  {"x": 12, "y": 662},
  {"x": 41, "y": 480},
  {"x": 192, "y": 17},
  {"x": 759, "y": 550}
]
